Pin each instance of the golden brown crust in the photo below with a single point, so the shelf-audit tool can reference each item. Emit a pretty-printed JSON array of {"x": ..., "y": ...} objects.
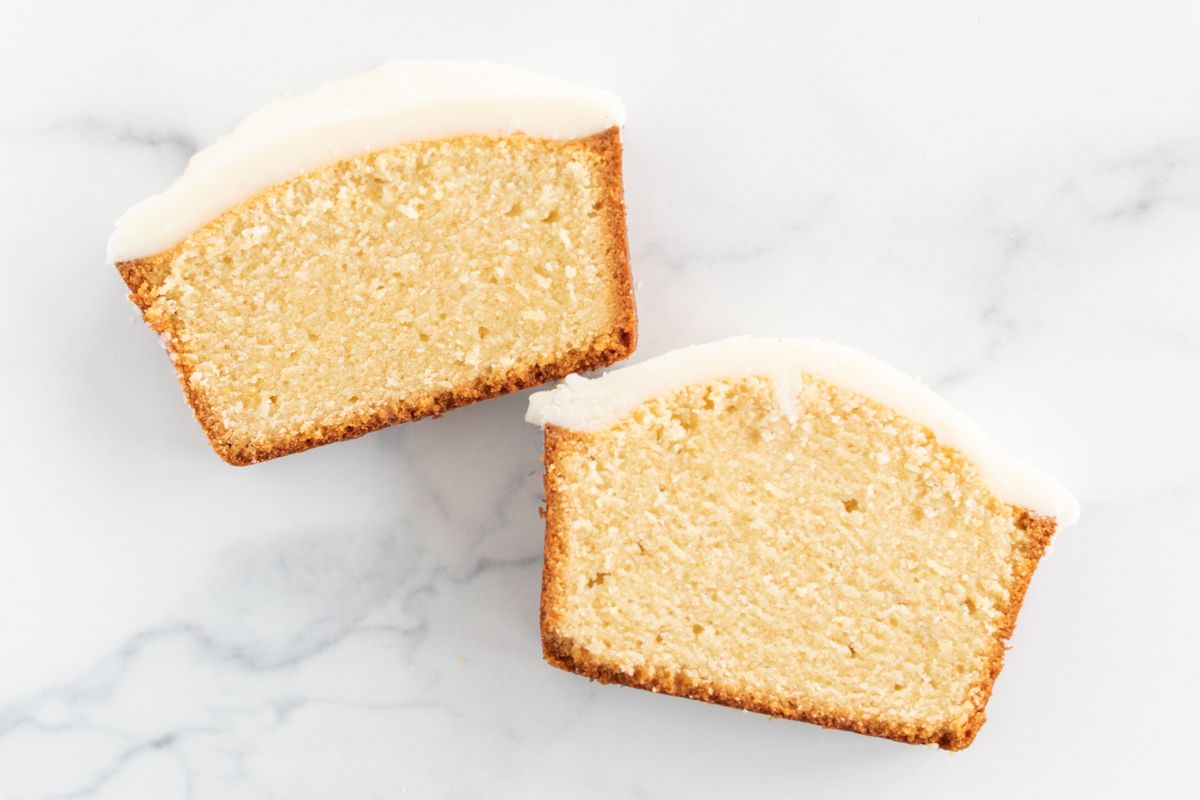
[
  {"x": 1038, "y": 532},
  {"x": 608, "y": 146},
  {"x": 145, "y": 276},
  {"x": 560, "y": 651}
]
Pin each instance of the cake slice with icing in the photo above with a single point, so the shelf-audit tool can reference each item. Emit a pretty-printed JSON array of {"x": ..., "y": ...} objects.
[
  {"x": 384, "y": 248},
  {"x": 788, "y": 527}
]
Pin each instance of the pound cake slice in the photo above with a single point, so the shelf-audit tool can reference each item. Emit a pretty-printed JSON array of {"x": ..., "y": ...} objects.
[
  {"x": 384, "y": 248},
  {"x": 787, "y": 527}
]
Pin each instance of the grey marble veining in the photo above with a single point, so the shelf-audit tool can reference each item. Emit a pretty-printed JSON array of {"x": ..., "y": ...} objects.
[{"x": 1004, "y": 201}]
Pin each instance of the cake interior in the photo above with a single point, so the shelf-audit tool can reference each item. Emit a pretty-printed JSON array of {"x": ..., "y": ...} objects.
[
  {"x": 395, "y": 284},
  {"x": 840, "y": 566}
]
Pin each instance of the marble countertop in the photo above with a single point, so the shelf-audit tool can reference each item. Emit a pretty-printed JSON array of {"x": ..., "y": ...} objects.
[{"x": 1003, "y": 199}]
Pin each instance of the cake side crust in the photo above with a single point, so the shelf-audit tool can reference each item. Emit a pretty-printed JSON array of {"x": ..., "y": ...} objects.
[
  {"x": 144, "y": 277},
  {"x": 560, "y": 651},
  {"x": 607, "y": 146},
  {"x": 1038, "y": 532}
]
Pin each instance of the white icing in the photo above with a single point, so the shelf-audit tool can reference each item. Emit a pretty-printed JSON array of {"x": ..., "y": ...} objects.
[
  {"x": 583, "y": 404},
  {"x": 401, "y": 101}
]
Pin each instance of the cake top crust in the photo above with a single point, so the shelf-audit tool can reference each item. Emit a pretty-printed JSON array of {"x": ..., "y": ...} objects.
[
  {"x": 590, "y": 405},
  {"x": 397, "y": 103}
]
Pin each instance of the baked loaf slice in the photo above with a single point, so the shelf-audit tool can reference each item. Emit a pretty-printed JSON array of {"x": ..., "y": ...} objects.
[
  {"x": 786, "y": 527},
  {"x": 385, "y": 248}
]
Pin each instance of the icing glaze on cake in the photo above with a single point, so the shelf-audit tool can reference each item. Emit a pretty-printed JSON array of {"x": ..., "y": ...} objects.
[
  {"x": 584, "y": 404},
  {"x": 399, "y": 102}
]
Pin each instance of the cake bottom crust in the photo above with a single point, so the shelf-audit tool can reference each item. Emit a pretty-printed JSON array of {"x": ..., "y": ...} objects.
[
  {"x": 561, "y": 651},
  {"x": 484, "y": 388}
]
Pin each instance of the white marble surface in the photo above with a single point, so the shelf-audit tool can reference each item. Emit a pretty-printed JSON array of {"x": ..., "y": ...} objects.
[{"x": 1001, "y": 198}]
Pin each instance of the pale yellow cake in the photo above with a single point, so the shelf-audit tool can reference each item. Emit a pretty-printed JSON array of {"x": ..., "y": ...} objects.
[
  {"x": 786, "y": 527},
  {"x": 397, "y": 282}
]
